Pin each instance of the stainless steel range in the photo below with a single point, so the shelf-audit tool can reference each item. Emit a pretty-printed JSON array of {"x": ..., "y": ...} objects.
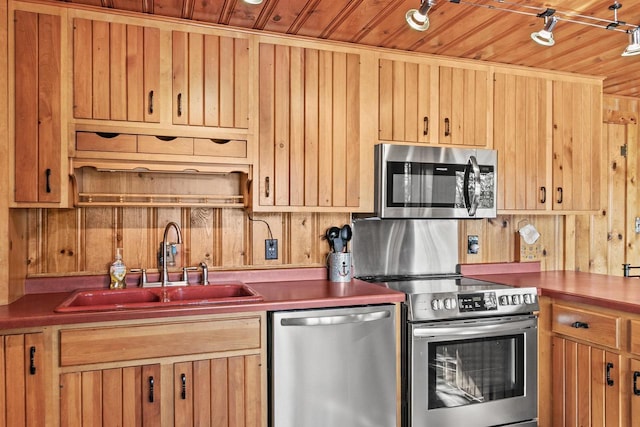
[{"x": 469, "y": 346}]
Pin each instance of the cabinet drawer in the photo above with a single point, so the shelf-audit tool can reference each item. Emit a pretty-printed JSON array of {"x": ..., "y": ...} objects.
[
  {"x": 91, "y": 141},
  {"x": 587, "y": 325},
  {"x": 165, "y": 145},
  {"x": 135, "y": 342},
  {"x": 634, "y": 336},
  {"x": 220, "y": 147}
]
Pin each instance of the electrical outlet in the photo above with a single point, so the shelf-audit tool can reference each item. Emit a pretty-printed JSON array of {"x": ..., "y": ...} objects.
[{"x": 271, "y": 249}]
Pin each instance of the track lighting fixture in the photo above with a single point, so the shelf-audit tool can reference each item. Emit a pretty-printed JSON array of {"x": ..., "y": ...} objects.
[
  {"x": 634, "y": 43},
  {"x": 418, "y": 18},
  {"x": 545, "y": 36}
]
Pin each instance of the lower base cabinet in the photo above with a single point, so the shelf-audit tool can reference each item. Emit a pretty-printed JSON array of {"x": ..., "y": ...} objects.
[
  {"x": 592, "y": 364},
  {"x": 205, "y": 372}
]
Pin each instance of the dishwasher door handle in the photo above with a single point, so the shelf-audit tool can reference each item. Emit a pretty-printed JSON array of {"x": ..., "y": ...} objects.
[{"x": 336, "y": 320}]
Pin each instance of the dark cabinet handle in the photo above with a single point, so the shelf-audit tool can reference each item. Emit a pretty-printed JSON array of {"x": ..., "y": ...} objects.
[
  {"x": 425, "y": 129},
  {"x": 179, "y": 105},
  {"x": 609, "y": 380},
  {"x": 151, "y": 396},
  {"x": 580, "y": 325},
  {"x": 150, "y": 102},
  {"x": 447, "y": 127},
  {"x": 183, "y": 380},
  {"x": 560, "y": 194},
  {"x": 266, "y": 187},
  {"x": 47, "y": 174},
  {"x": 636, "y": 374},
  {"x": 32, "y": 360},
  {"x": 543, "y": 194}
]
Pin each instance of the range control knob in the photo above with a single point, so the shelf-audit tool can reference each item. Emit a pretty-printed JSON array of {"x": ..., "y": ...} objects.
[
  {"x": 504, "y": 300},
  {"x": 529, "y": 298},
  {"x": 516, "y": 299},
  {"x": 450, "y": 303},
  {"x": 436, "y": 304}
]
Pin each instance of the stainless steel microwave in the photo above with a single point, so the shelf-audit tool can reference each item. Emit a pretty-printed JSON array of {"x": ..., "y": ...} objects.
[{"x": 414, "y": 181}]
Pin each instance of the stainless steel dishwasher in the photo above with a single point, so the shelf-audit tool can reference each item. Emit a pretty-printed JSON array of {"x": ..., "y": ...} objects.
[{"x": 333, "y": 367}]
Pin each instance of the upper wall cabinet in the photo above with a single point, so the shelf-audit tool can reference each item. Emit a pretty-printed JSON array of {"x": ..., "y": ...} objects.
[
  {"x": 156, "y": 74},
  {"x": 427, "y": 103},
  {"x": 309, "y": 136},
  {"x": 521, "y": 131},
  {"x": 116, "y": 71},
  {"x": 40, "y": 167},
  {"x": 210, "y": 80},
  {"x": 405, "y": 102},
  {"x": 548, "y": 136}
]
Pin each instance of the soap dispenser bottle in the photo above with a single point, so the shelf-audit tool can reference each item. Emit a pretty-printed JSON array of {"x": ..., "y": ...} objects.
[{"x": 118, "y": 271}]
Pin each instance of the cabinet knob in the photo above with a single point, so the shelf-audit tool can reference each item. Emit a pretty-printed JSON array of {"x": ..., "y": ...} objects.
[
  {"x": 32, "y": 360},
  {"x": 609, "y": 380},
  {"x": 151, "y": 384},
  {"x": 580, "y": 325}
]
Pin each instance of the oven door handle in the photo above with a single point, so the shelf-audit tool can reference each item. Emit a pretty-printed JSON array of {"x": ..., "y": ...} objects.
[
  {"x": 466, "y": 330},
  {"x": 336, "y": 320}
]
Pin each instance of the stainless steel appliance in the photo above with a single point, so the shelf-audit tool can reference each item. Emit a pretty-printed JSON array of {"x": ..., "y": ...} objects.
[
  {"x": 333, "y": 367},
  {"x": 469, "y": 346},
  {"x": 432, "y": 182}
]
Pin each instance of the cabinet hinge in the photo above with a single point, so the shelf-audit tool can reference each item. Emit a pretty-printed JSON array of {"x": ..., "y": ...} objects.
[{"x": 623, "y": 150}]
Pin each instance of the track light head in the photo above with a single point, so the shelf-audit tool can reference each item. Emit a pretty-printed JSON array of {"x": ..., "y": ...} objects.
[
  {"x": 418, "y": 19},
  {"x": 634, "y": 43},
  {"x": 544, "y": 37}
]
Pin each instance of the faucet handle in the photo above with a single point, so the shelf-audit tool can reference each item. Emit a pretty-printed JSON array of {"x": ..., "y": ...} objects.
[
  {"x": 185, "y": 276},
  {"x": 205, "y": 272},
  {"x": 143, "y": 276}
]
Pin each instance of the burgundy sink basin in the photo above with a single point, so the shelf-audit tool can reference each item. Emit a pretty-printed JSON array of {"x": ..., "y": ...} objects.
[{"x": 139, "y": 298}]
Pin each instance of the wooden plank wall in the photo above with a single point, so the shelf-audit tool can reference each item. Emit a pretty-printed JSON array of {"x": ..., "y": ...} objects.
[{"x": 84, "y": 239}]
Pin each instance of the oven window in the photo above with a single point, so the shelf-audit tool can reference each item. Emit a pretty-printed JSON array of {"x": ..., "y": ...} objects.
[{"x": 465, "y": 372}]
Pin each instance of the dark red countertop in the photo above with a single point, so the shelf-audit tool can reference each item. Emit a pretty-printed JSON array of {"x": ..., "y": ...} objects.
[
  {"x": 282, "y": 289},
  {"x": 615, "y": 292}
]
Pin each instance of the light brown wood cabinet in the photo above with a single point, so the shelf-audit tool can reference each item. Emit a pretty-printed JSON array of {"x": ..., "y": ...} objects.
[
  {"x": 429, "y": 103},
  {"x": 548, "y": 136},
  {"x": 40, "y": 172},
  {"x": 592, "y": 368},
  {"x": 309, "y": 129},
  {"x": 23, "y": 380},
  {"x": 116, "y": 71},
  {"x": 207, "y": 371},
  {"x": 116, "y": 396},
  {"x": 210, "y": 80}
]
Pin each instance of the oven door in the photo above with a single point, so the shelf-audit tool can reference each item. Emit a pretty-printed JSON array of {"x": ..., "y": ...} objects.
[{"x": 480, "y": 372}]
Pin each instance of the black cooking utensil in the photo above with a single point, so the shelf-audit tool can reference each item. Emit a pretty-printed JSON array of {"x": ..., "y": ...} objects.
[
  {"x": 345, "y": 235},
  {"x": 332, "y": 234}
]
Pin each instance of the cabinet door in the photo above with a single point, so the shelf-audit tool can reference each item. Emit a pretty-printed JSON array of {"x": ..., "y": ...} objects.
[
  {"x": 635, "y": 391},
  {"x": 38, "y": 141},
  {"x": 210, "y": 80},
  {"x": 577, "y": 145},
  {"x": 118, "y": 396},
  {"x": 521, "y": 120},
  {"x": 22, "y": 379},
  {"x": 116, "y": 71},
  {"x": 405, "y": 97},
  {"x": 217, "y": 392},
  {"x": 586, "y": 385},
  {"x": 464, "y": 106},
  {"x": 309, "y": 139}
]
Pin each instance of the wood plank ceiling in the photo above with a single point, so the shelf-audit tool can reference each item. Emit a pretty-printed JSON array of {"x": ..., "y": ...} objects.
[{"x": 473, "y": 29}]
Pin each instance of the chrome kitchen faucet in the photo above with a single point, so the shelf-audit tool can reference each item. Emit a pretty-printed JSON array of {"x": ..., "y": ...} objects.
[{"x": 165, "y": 275}]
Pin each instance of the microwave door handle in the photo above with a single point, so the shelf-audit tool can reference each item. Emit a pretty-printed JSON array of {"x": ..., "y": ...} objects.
[{"x": 472, "y": 204}]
